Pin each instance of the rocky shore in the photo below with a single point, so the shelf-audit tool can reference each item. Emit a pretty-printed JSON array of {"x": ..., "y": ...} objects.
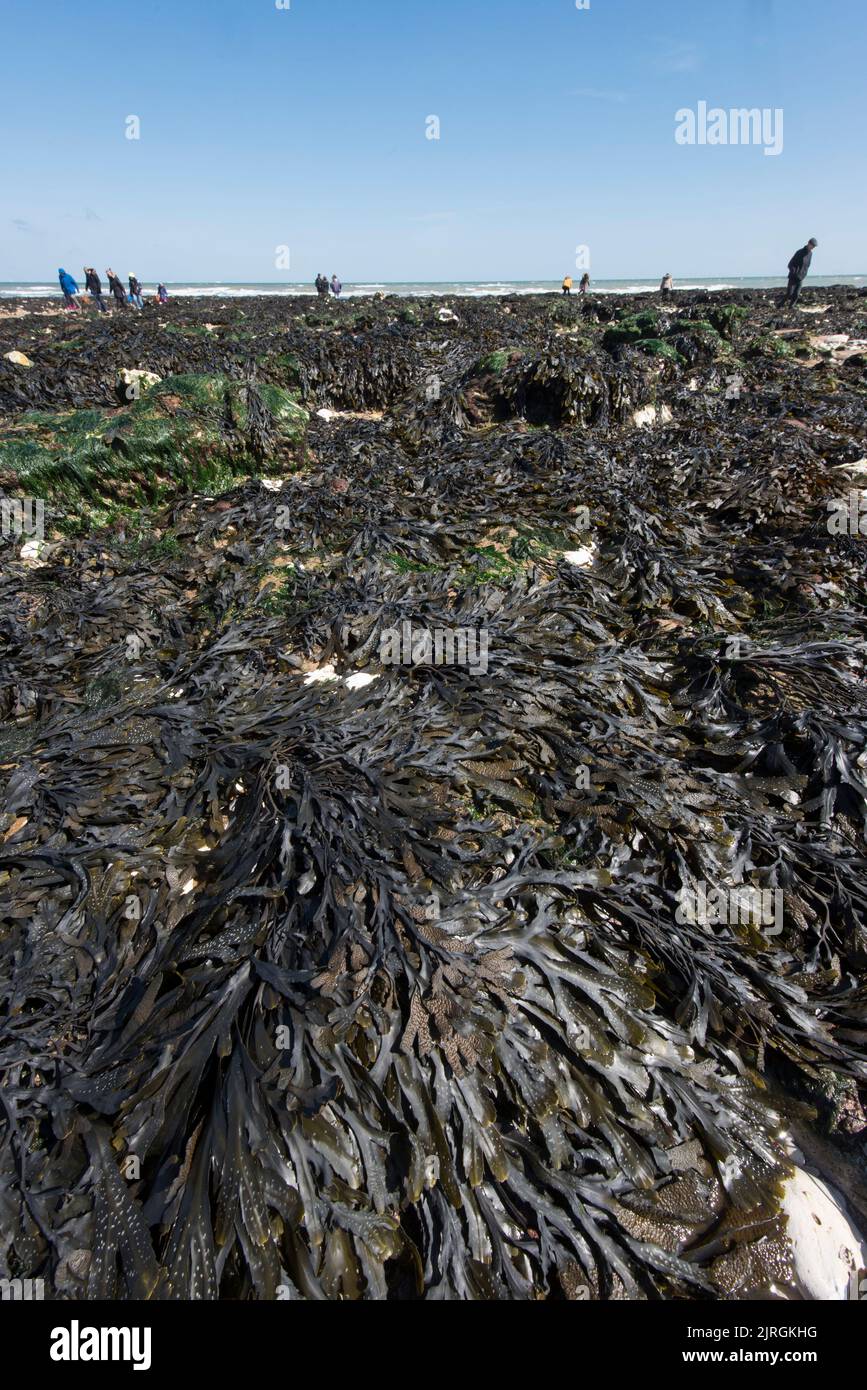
[{"x": 337, "y": 964}]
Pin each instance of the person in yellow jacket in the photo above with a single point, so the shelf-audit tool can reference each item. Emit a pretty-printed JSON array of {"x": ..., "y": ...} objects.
[{"x": 567, "y": 285}]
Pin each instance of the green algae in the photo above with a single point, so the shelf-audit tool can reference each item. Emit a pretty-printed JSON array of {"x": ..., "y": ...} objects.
[
  {"x": 656, "y": 347},
  {"x": 494, "y": 363},
  {"x": 631, "y": 329},
  {"x": 727, "y": 319},
  {"x": 767, "y": 345},
  {"x": 187, "y": 433}
]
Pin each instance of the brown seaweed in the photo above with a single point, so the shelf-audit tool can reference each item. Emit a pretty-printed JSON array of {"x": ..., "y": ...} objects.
[{"x": 321, "y": 992}]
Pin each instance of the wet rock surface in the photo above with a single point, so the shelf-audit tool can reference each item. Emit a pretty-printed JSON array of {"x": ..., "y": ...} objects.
[{"x": 322, "y": 986}]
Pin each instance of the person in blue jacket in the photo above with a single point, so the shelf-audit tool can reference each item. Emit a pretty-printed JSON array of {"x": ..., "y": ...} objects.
[
  {"x": 69, "y": 287},
  {"x": 336, "y": 286}
]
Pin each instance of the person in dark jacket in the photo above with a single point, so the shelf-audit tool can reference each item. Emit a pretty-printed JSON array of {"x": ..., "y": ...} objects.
[
  {"x": 798, "y": 267},
  {"x": 584, "y": 284},
  {"x": 69, "y": 287},
  {"x": 135, "y": 291},
  {"x": 94, "y": 285},
  {"x": 321, "y": 284},
  {"x": 162, "y": 294},
  {"x": 116, "y": 289}
]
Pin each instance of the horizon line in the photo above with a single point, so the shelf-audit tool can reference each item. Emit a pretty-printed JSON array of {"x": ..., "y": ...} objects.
[{"x": 601, "y": 280}]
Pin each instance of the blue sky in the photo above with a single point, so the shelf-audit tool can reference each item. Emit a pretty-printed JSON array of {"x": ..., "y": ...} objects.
[{"x": 306, "y": 127}]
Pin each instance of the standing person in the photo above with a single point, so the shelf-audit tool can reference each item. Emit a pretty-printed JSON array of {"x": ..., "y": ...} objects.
[
  {"x": 567, "y": 284},
  {"x": 336, "y": 286},
  {"x": 162, "y": 294},
  {"x": 116, "y": 289},
  {"x": 667, "y": 285},
  {"x": 798, "y": 267},
  {"x": 584, "y": 284},
  {"x": 69, "y": 287},
  {"x": 94, "y": 285},
  {"x": 135, "y": 291}
]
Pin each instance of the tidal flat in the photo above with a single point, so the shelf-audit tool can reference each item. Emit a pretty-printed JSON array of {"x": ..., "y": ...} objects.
[{"x": 341, "y": 965}]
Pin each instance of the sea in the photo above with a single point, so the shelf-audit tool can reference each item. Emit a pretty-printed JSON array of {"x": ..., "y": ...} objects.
[{"x": 420, "y": 289}]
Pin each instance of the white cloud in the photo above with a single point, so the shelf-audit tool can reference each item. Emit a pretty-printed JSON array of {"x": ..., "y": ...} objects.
[
  {"x": 600, "y": 94},
  {"x": 677, "y": 55}
]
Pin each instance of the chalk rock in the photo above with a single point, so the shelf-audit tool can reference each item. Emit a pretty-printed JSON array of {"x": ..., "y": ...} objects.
[
  {"x": 827, "y": 1250},
  {"x": 858, "y": 469},
  {"x": 580, "y": 558},
  {"x": 132, "y": 382},
  {"x": 651, "y": 415},
  {"x": 31, "y": 552},
  {"x": 359, "y": 679},
  {"x": 829, "y": 342},
  {"x": 19, "y": 359},
  {"x": 324, "y": 673}
]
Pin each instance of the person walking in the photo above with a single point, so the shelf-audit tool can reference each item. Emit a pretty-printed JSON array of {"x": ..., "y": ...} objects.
[
  {"x": 69, "y": 288},
  {"x": 584, "y": 284},
  {"x": 93, "y": 285},
  {"x": 116, "y": 289},
  {"x": 336, "y": 287},
  {"x": 666, "y": 286},
  {"x": 798, "y": 267},
  {"x": 135, "y": 291},
  {"x": 567, "y": 284}
]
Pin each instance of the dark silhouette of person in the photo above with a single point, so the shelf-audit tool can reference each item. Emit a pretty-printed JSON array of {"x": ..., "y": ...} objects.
[{"x": 798, "y": 267}]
